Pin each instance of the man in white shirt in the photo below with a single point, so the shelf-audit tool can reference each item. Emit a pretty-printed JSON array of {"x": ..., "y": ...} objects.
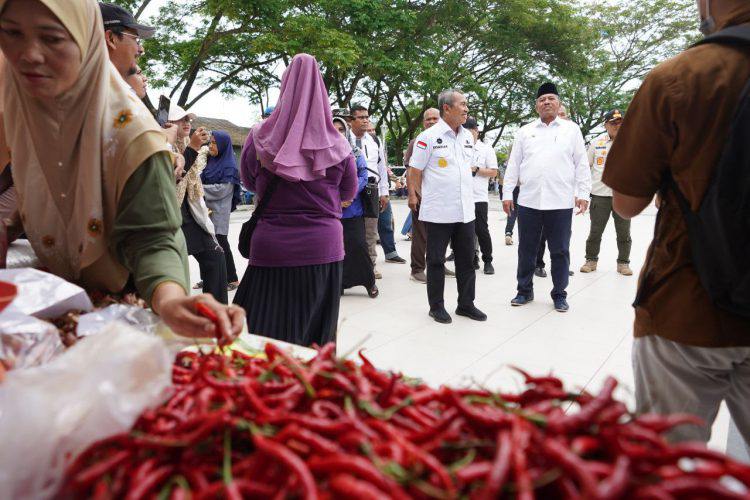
[
  {"x": 441, "y": 189},
  {"x": 383, "y": 225},
  {"x": 483, "y": 167},
  {"x": 601, "y": 201},
  {"x": 548, "y": 161}
]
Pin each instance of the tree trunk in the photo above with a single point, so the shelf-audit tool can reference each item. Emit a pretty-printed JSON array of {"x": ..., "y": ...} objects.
[{"x": 192, "y": 73}]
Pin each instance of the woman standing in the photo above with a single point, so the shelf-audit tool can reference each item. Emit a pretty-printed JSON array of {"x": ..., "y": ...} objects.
[
  {"x": 219, "y": 179},
  {"x": 292, "y": 287},
  {"x": 196, "y": 223},
  {"x": 94, "y": 179},
  {"x": 358, "y": 269}
]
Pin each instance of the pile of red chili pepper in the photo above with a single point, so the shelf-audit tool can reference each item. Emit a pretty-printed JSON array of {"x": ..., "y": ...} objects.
[{"x": 244, "y": 427}]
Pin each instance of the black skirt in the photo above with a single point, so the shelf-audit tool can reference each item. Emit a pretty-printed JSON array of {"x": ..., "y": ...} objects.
[
  {"x": 358, "y": 269},
  {"x": 299, "y": 305}
]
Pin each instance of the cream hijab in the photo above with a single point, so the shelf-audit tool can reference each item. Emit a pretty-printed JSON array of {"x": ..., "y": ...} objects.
[{"x": 72, "y": 157}]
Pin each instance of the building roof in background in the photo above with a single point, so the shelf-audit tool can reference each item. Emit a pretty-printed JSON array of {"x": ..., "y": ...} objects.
[{"x": 237, "y": 133}]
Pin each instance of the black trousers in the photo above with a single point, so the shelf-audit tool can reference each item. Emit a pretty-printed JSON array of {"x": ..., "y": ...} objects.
[
  {"x": 540, "y": 252},
  {"x": 213, "y": 269},
  {"x": 482, "y": 230},
  {"x": 231, "y": 269},
  {"x": 555, "y": 226},
  {"x": 462, "y": 237}
]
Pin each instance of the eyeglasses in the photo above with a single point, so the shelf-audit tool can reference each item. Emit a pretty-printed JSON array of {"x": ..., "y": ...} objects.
[{"x": 135, "y": 37}]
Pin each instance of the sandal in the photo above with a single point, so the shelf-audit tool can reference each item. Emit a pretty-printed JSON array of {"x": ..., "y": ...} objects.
[{"x": 373, "y": 292}]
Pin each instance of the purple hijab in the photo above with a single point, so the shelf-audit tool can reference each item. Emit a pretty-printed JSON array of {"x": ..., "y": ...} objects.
[{"x": 298, "y": 142}]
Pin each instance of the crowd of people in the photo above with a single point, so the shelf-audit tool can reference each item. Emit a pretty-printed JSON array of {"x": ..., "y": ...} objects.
[{"x": 114, "y": 199}]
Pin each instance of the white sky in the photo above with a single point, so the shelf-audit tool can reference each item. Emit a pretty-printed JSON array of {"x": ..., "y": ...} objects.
[{"x": 214, "y": 105}]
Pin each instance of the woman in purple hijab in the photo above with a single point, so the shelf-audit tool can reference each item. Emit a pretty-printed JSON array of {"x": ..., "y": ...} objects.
[{"x": 292, "y": 287}]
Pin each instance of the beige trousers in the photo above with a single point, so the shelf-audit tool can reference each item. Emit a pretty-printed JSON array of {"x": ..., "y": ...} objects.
[{"x": 675, "y": 378}]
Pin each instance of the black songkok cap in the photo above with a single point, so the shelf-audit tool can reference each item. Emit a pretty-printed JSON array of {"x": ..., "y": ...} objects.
[{"x": 547, "y": 88}]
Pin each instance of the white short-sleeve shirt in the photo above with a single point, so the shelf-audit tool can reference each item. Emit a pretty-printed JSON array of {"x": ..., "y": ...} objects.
[
  {"x": 484, "y": 157},
  {"x": 445, "y": 159}
]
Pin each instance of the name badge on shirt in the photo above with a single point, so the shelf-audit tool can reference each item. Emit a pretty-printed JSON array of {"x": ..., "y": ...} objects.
[{"x": 442, "y": 162}]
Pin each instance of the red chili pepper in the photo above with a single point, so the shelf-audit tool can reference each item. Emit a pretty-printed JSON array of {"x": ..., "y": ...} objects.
[
  {"x": 358, "y": 466},
  {"x": 99, "y": 469},
  {"x": 585, "y": 445},
  {"x": 473, "y": 472},
  {"x": 571, "y": 464},
  {"x": 616, "y": 485},
  {"x": 585, "y": 416},
  {"x": 350, "y": 487},
  {"x": 487, "y": 417},
  {"x": 149, "y": 482},
  {"x": 663, "y": 423},
  {"x": 500, "y": 467},
  {"x": 521, "y": 437},
  {"x": 543, "y": 381},
  {"x": 290, "y": 461},
  {"x": 315, "y": 441}
]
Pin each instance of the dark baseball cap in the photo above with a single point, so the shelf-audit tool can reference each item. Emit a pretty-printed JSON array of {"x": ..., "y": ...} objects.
[
  {"x": 115, "y": 16},
  {"x": 613, "y": 115},
  {"x": 471, "y": 123}
]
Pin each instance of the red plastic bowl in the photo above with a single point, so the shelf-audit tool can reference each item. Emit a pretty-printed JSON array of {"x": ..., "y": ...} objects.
[{"x": 8, "y": 292}]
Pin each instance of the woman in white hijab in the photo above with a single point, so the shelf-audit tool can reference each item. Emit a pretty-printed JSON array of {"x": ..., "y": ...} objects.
[{"x": 95, "y": 181}]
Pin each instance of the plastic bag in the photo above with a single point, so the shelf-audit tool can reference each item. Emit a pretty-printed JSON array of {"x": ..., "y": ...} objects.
[
  {"x": 20, "y": 254},
  {"x": 137, "y": 317},
  {"x": 51, "y": 413},
  {"x": 44, "y": 295},
  {"x": 26, "y": 341}
]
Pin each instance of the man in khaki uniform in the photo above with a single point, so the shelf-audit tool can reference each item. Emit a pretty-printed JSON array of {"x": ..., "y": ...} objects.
[
  {"x": 688, "y": 355},
  {"x": 601, "y": 201}
]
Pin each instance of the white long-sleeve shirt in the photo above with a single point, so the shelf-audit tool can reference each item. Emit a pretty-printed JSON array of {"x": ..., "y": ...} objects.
[
  {"x": 550, "y": 164},
  {"x": 375, "y": 161}
]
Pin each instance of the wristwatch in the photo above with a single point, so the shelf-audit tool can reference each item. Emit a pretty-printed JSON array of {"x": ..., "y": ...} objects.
[{"x": 474, "y": 171}]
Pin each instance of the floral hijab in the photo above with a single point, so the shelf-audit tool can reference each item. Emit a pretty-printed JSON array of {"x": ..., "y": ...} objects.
[{"x": 72, "y": 157}]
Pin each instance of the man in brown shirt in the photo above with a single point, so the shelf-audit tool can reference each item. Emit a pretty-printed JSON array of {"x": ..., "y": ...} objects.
[{"x": 688, "y": 355}]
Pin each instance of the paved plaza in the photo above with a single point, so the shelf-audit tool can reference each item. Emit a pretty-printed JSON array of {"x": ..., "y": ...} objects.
[{"x": 582, "y": 346}]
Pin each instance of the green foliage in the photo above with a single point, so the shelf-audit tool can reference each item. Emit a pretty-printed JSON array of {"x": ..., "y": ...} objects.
[{"x": 397, "y": 55}]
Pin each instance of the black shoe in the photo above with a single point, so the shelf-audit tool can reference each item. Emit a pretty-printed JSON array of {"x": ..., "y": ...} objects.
[
  {"x": 373, "y": 292},
  {"x": 450, "y": 257},
  {"x": 396, "y": 260},
  {"x": 571, "y": 273},
  {"x": 476, "y": 265},
  {"x": 561, "y": 305},
  {"x": 540, "y": 272},
  {"x": 488, "y": 269},
  {"x": 521, "y": 300},
  {"x": 441, "y": 315},
  {"x": 471, "y": 313}
]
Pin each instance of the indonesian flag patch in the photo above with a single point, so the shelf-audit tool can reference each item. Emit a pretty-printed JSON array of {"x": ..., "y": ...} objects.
[{"x": 421, "y": 145}]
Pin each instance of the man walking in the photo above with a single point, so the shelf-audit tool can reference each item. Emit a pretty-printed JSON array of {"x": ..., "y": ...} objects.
[
  {"x": 688, "y": 354},
  {"x": 441, "y": 190},
  {"x": 601, "y": 202},
  {"x": 548, "y": 161},
  {"x": 540, "y": 272},
  {"x": 383, "y": 225},
  {"x": 418, "y": 232},
  {"x": 483, "y": 167}
]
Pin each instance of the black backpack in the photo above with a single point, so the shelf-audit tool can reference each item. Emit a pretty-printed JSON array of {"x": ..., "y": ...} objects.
[{"x": 719, "y": 232}]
